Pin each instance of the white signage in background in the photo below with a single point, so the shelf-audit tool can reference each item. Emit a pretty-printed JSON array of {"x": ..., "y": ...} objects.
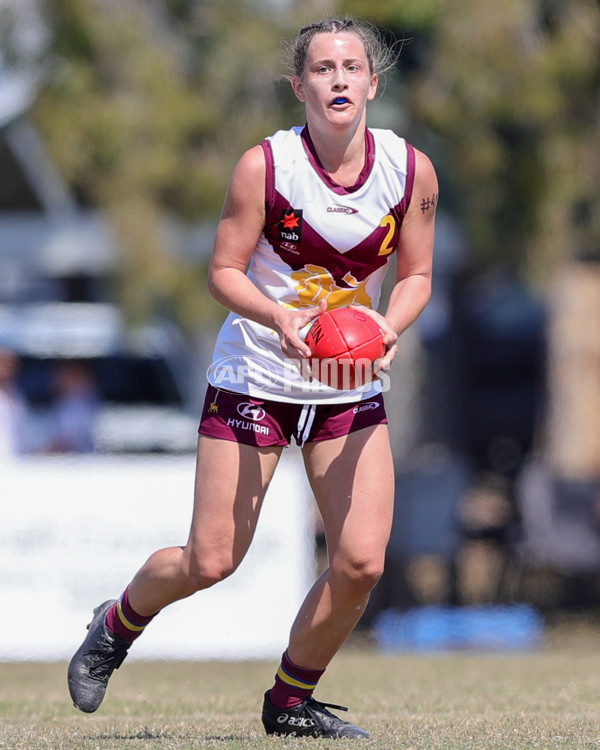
[{"x": 74, "y": 531}]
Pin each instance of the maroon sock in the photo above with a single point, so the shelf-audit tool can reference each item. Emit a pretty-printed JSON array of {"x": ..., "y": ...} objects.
[
  {"x": 293, "y": 684},
  {"x": 124, "y": 621}
]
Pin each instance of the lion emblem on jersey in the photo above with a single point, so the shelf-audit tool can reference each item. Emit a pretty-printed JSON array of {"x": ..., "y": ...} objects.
[{"x": 315, "y": 283}]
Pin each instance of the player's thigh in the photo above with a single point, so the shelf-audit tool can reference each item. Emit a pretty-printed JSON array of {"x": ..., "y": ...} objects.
[
  {"x": 352, "y": 478},
  {"x": 230, "y": 485}
]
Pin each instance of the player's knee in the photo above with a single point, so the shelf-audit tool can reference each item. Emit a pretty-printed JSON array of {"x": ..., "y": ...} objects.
[
  {"x": 367, "y": 577},
  {"x": 207, "y": 572},
  {"x": 361, "y": 576}
]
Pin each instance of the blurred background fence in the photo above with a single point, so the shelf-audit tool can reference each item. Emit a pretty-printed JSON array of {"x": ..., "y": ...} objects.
[{"x": 120, "y": 123}]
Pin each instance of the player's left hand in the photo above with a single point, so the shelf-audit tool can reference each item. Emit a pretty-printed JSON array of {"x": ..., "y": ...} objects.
[{"x": 390, "y": 337}]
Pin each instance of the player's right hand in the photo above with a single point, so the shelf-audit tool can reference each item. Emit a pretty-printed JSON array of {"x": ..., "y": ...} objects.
[{"x": 290, "y": 324}]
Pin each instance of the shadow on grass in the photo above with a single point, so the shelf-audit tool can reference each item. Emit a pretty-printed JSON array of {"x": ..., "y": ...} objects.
[{"x": 147, "y": 734}]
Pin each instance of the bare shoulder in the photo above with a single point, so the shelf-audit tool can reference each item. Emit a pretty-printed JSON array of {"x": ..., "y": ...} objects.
[
  {"x": 250, "y": 169},
  {"x": 246, "y": 192},
  {"x": 425, "y": 174},
  {"x": 425, "y": 192}
]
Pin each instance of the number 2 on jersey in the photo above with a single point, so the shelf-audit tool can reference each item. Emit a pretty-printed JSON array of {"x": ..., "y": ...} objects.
[{"x": 386, "y": 246}]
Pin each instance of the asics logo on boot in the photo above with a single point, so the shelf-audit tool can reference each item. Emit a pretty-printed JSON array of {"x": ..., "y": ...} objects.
[{"x": 295, "y": 721}]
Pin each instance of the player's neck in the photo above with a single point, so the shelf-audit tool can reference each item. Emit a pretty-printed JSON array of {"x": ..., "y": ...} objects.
[{"x": 342, "y": 156}]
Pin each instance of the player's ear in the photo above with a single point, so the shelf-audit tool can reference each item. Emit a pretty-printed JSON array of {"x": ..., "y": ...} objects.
[
  {"x": 298, "y": 88},
  {"x": 373, "y": 87}
]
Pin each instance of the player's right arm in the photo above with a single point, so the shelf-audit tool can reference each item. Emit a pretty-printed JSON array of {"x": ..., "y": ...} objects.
[{"x": 238, "y": 231}]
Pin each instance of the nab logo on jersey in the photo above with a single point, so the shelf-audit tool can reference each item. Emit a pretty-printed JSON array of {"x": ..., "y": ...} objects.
[{"x": 290, "y": 225}]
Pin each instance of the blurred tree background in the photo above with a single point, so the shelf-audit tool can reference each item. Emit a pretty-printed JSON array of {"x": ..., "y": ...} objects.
[{"x": 147, "y": 105}]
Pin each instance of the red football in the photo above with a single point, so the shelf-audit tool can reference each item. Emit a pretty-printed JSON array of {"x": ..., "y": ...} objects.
[{"x": 344, "y": 343}]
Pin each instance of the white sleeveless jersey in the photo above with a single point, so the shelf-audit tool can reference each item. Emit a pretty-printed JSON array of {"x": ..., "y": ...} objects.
[{"x": 321, "y": 241}]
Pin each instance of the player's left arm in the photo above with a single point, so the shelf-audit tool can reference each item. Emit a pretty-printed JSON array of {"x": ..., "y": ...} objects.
[
  {"x": 414, "y": 252},
  {"x": 414, "y": 257}
]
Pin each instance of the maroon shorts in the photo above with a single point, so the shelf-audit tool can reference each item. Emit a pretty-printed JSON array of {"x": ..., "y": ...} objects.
[{"x": 254, "y": 421}]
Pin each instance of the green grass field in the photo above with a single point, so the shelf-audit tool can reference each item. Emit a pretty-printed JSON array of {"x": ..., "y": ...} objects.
[{"x": 547, "y": 699}]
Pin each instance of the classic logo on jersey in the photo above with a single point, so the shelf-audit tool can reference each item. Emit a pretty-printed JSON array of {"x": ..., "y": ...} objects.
[
  {"x": 290, "y": 225},
  {"x": 341, "y": 210}
]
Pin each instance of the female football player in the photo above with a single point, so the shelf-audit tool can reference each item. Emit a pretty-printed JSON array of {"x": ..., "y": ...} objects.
[{"x": 312, "y": 219}]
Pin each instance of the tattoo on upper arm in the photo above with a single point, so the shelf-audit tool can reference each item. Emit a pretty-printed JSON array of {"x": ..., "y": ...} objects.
[{"x": 429, "y": 202}]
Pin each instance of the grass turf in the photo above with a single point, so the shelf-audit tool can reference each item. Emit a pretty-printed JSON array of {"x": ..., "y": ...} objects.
[{"x": 548, "y": 699}]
